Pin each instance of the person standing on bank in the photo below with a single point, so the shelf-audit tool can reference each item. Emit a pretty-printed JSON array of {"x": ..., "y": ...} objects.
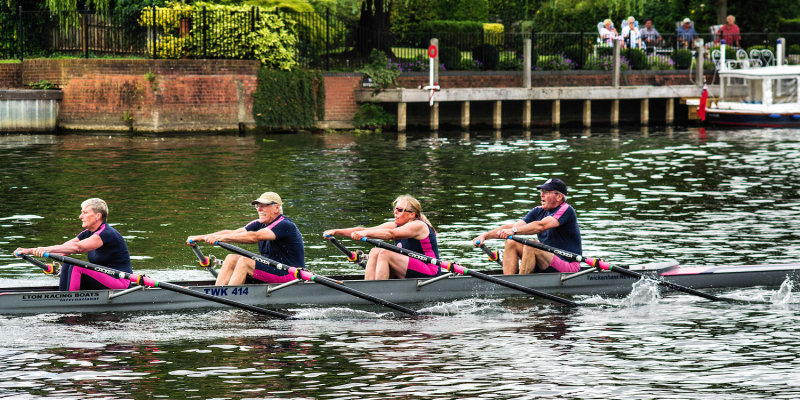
[
  {"x": 278, "y": 239},
  {"x": 554, "y": 222},
  {"x": 410, "y": 230},
  {"x": 104, "y": 245}
]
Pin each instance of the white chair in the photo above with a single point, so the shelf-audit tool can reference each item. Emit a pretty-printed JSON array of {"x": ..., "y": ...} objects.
[
  {"x": 768, "y": 58},
  {"x": 716, "y": 56}
]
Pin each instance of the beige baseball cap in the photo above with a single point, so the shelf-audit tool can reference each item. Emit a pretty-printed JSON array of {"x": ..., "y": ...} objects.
[{"x": 268, "y": 198}]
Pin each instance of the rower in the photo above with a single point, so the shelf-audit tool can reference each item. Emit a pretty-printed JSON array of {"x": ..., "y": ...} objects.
[
  {"x": 278, "y": 239},
  {"x": 410, "y": 230},
  {"x": 554, "y": 222},
  {"x": 103, "y": 244}
]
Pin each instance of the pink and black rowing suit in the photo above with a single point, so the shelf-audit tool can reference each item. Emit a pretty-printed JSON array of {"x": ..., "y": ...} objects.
[
  {"x": 427, "y": 246},
  {"x": 566, "y": 236},
  {"x": 112, "y": 254},
  {"x": 286, "y": 248}
]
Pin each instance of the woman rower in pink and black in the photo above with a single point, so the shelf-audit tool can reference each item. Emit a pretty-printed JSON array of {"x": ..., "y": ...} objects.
[
  {"x": 278, "y": 239},
  {"x": 104, "y": 245},
  {"x": 410, "y": 230}
]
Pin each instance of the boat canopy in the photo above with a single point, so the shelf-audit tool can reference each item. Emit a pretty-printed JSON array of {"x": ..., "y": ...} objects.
[{"x": 765, "y": 86}]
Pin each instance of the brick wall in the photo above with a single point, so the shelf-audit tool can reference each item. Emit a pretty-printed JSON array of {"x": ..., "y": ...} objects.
[
  {"x": 160, "y": 95},
  {"x": 10, "y": 75},
  {"x": 340, "y": 103}
]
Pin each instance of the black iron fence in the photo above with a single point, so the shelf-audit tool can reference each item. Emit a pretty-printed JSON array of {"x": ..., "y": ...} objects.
[{"x": 324, "y": 42}]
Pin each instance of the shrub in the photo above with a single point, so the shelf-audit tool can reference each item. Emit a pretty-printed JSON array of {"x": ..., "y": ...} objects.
[
  {"x": 288, "y": 100},
  {"x": 558, "y": 62},
  {"x": 637, "y": 58},
  {"x": 682, "y": 58},
  {"x": 511, "y": 63},
  {"x": 487, "y": 55},
  {"x": 605, "y": 63},
  {"x": 493, "y": 34},
  {"x": 382, "y": 72},
  {"x": 660, "y": 62},
  {"x": 793, "y": 49},
  {"x": 573, "y": 52},
  {"x": 372, "y": 116},
  {"x": 450, "y": 57}
]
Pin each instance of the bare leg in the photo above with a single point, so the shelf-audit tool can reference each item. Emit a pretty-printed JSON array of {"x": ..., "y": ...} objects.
[
  {"x": 528, "y": 263},
  {"x": 244, "y": 268},
  {"x": 391, "y": 265},
  {"x": 511, "y": 256},
  {"x": 369, "y": 272},
  {"x": 224, "y": 275}
]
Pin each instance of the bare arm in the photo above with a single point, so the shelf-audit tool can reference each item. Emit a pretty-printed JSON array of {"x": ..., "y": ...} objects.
[
  {"x": 72, "y": 246},
  {"x": 389, "y": 231}
]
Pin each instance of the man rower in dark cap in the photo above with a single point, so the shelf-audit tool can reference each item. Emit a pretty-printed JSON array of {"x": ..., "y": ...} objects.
[
  {"x": 554, "y": 222},
  {"x": 278, "y": 239}
]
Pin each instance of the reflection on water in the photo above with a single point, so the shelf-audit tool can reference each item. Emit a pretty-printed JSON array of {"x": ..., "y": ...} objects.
[{"x": 701, "y": 197}]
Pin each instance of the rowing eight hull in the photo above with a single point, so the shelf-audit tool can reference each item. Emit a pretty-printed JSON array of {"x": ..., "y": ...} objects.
[{"x": 47, "y": 300}]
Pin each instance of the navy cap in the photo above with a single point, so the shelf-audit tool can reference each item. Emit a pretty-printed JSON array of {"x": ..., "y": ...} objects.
[{"x": 554, "y": 184}]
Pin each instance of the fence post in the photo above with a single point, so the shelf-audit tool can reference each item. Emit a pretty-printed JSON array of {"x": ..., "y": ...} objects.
[
  {"x": 526, "y": 74},
  {"x": 204, "y": 32},
  {"x": 19, "y": 35},
  {"x": 615, "y": 77},
  {"x": 85, "y": 30},
  {"x": 327, "y": 38},
  {"x": 155, "y": 54}
]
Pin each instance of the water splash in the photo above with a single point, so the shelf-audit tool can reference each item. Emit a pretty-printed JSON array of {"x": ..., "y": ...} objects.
[
  {"x": 644, "y": 292},
  {"x": 783, "y": 297}
]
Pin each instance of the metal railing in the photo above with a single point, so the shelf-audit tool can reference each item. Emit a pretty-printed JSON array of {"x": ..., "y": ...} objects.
[{"x": 325, "y": 42}]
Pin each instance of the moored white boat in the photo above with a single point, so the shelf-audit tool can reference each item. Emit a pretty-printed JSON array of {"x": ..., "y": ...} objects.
[
  {"x": 28, "y": 300},
  {"x": 761, "y": 97}
]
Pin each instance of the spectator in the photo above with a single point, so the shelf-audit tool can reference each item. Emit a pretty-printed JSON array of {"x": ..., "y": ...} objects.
[
  {"x": 607, "y": 32},
  {"x": 630, "y": 33},
  {"x": 686, "y": 33},
  {"x": 730, "y": 32},
  {"x": 650, "y": 35}
]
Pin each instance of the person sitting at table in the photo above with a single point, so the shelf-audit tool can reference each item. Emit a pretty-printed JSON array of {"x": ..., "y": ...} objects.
[
  {"x": 650, "y": 36},
  {"x": 686, "y": 34}
]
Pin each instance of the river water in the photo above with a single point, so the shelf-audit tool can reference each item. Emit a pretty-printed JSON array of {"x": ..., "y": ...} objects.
[{"x": 696, "y": 196}]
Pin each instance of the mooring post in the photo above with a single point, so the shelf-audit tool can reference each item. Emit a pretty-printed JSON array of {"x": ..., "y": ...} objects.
[
  {"x": 556, "y": 113},
  {"x": 644, "y": 111},
  {"x": 401, "y": 116},
  {"x": 498, "y": 114},
  {"x": 587, "y": 113},
  {"x": 465, "y": 115}
]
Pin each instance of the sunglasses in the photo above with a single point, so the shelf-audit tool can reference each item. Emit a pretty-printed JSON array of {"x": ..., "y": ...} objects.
[{"x": 402, "y": 210}]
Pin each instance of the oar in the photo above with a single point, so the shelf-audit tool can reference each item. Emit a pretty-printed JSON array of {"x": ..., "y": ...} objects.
[
  {"x": 150, "y": 282},
  {"x": 48, "y": 269},
  {"x": 453, "y": 267},
  {"x": 598, "y": 263},
  {"x": 352, "y": 256},
  {"x": 308, "y": 276},
  {"x": 492, "y": 254},
  {"x": 204, "y": 261}
]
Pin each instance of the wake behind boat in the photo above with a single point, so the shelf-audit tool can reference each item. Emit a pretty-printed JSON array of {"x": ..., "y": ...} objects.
[{"x": 34, "y": 300}]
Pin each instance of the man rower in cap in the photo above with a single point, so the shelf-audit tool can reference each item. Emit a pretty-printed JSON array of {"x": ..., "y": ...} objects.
[
  {"x": 278, "y": 239},
  {"x": 554, "y": 222}
]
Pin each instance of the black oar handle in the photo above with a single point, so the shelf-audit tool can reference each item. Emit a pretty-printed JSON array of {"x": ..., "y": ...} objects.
[
  {"x": 598, "y": 263},
  {"x": 150, "y": 282},
  {"x": 464, "y": 271},
  {"x": 492, "y": 254},
  {"x": 308, "y": 276},
  {"x": 204, "y": 261},
  {"x": 48, "y": 269},
  {"x": 352, "y": 256}
]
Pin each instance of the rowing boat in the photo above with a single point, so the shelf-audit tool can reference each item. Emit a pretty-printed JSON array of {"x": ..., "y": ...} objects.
[{"x": 445, "y": 288}]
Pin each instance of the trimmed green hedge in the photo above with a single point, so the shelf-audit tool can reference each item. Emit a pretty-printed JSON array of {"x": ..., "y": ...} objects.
[{"x": 289, "y": 99}]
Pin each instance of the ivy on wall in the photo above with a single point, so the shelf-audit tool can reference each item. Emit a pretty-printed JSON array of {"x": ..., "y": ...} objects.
[{"x": 289, "y": 99}]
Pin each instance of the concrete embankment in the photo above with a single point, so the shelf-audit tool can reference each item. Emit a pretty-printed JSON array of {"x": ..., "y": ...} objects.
[{"x": 217, "y": 95}]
